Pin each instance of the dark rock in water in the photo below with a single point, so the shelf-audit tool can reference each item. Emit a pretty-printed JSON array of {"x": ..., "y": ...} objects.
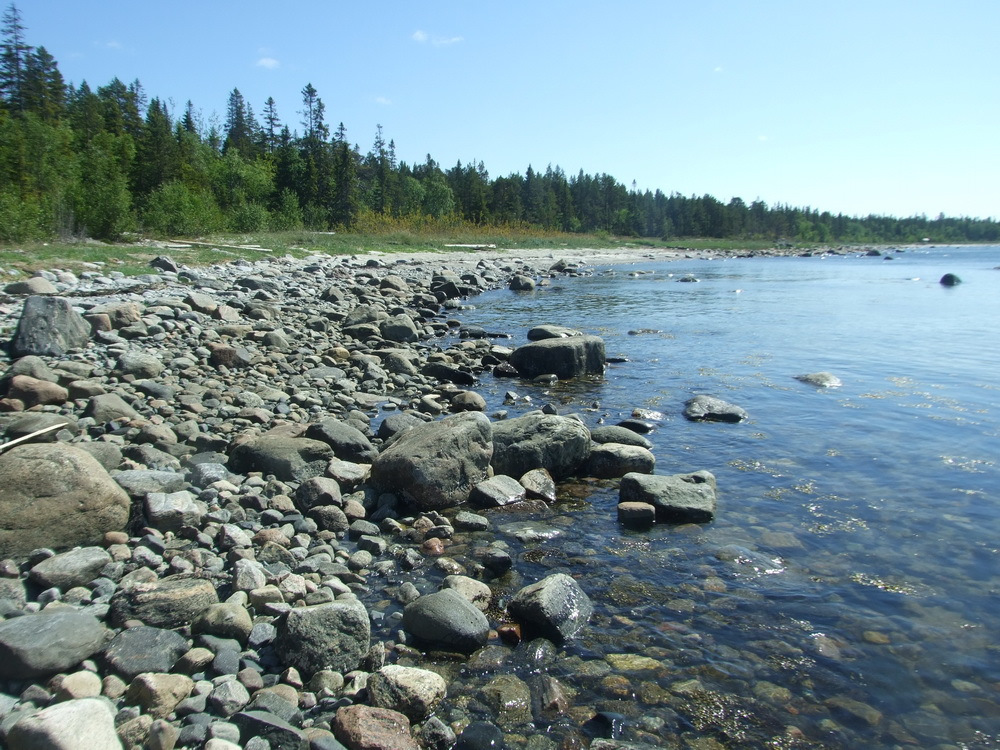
[
  {"x": 555, "y": 607},
  {"x": 48, "y": 642},
  {"x": 436, "y": 465},
  {"x": 450, "y": 373},
  {"x": 496, "y": 492},
  {"x": 820, "y": 379},
  {"x": 335, "y": 635},
  {"x": 480, "y": 735},
  {"x": 447, "y": 619},
  {"x": 680, "y": 498},
  {"x": 540, "y": 333},
  {"x": 521, "y": 283},
  {"x": 538, "y": 484},
  {"x": 950, "y": 279},
  {"x": 540, "y": 441},
  {"x": 49, "y": 326},
  {"x": 289, "y": 459},
  {"x": 566, "y": 358},
  {"x": 711, "y": 409},
  {"x": 611, "y": 460},
  {"x": 689, "y": 279},
  {"x": 144, "y": 649},
  {"x": 640, "y": 426},
  {"x": 56, "y": 496},
  {"x": 638, "y": 515},
  {"x": 619, "y": 434}
]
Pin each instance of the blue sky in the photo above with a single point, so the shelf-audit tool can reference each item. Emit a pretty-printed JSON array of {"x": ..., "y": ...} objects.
[{"x": 873, "y": 106}]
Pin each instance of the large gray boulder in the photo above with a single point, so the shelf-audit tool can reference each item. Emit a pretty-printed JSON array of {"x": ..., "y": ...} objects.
[
  {"x": 612, "y": 460},
  {"x": 348, "y": 442},
  {"x": 540, "y": 441},
  {"x": 555, "y": 608},
  {"x": 48, "y": 642},
  {"x": 74, "y": 724},
  {"x": 289, "y": 459},
  {"x": 58, "y": 496},
  {"x": 679, "y": 498},
  {"x": 711, "y": 409},
  {"x": 447, "y": 620},
  {"x": 565, "y": 358},
  {"x": 49, "y": 326},
  {"x": 436, "y": 465},
  {"x": 335, "y": 635}
]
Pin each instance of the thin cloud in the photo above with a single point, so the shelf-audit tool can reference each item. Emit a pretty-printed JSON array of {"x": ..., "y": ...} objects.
[
  {"x": 268, "y": 62},
  {"x": 422, "y": 37},
  {"x": 384, "y": 101}
]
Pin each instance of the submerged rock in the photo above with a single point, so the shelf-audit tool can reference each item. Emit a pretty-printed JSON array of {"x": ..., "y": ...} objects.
[
  {"x": 820, "y": 379},
  {"x": 711, "y": 409},
  {"x": 950, "y": 279},
  {"x": 555, "y": 607}
]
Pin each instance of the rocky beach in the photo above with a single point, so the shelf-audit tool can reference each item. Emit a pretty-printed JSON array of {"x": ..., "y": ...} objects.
[{"x": 249, "y": 505}]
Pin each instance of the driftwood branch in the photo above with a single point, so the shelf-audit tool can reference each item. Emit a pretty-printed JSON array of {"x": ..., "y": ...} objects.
[{"x": 30, "y": 435}]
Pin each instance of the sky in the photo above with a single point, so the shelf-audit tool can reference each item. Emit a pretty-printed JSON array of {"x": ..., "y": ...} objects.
[{"x": 857, "y": 106}]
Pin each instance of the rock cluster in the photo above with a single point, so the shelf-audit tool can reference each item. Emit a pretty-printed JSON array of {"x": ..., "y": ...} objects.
[{"x": 210, "y": 541}]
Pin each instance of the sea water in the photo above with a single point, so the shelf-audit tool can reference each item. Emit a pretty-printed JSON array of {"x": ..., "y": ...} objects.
[{"x": 847, "y": 592}]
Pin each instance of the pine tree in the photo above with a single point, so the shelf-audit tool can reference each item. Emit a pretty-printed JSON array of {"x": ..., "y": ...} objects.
[
  {"x": 241, "y": 126},
  {"x": 272, "y": 125},
  {"x": 345, "y": 201},
  {"x": 44, "y": 90},
  {"x": 13, "y": 59}
]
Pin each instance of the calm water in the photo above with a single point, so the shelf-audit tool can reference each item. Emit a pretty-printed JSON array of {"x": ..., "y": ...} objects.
[{"x": 847, "y": 588}]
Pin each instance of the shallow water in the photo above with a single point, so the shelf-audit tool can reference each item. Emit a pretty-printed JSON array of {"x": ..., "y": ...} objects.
[{"x": 846, "y": 593}]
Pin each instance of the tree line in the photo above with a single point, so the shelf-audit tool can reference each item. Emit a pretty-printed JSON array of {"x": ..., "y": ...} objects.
[{"x": 104, "y": 162}]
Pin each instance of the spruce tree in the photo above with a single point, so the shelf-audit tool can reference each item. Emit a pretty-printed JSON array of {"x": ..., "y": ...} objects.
[{"x": 13, "y": 59}]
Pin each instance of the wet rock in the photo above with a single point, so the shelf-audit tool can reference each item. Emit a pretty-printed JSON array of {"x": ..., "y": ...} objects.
[
  {"x": 820, "y": 379},
  {"x": 711, "y": 409},
  {"x": 539, "y": 485},
  {"x": 618, "y": 434},
  {"x": 448, "y": 620},
  {"x": 480, "y": 735},
  {"x": 144, "y": 649},
  {"x": 637, "y": 515},
  {"x": 335, "y": 635},
  {"x": 48, "y": 642},
  {"x": 88, "y": 722},
  {"x": 408, "y": 690},
  {"x": 555, "y": 607},
  {"x": 289, "y": 459},
  {"x": 540, "y": 441},
  {"x": 950, "y": 279},
  {"x": 612, "y": 460},
  {"x": 509, "y": 700},
  {"x": 680, "y": 498},
  {"x": 496, "y": 492},
  {"x": 521, "y": 283},
  {"x": 56, "y": 496},
  {"x": 437, "y": 464},
  {"x": 49, "y": 326},
  {"x": 565, "y": 358},
  {"x": 542, "y": 332},
  {"x": 372, "y": 728}
]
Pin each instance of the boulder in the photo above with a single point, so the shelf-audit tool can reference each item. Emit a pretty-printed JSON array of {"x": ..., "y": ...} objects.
[
  {"x": 539, "y": 485},
  {"x": 540, "y": 441},
  {"x": 446, "y": 620},
  {"x": 158, "y": 693},
  {"x": 34, "y": 392},
  {"x": 170, "y": 602},
  {"x": 555, "y": 608},
  {"x": 289, "y": 459},
  {"x": 679, "y": 498},
  {"x": 335, "y": 635},
  {"x": 565, "y": 358},
  {"x": 348, "y": 442},
  {"x": 56, "y": 496},
  {"x": 497, "y": 491},
  {"x": 612, "y": 460},
  {"x": 140, "y": 364},
  {"x": 108, "y": 407},
  {"x": 711, "y": 409},
  {"x": 409, "y": 690},
  {"x": 539, "y": 333},
  {"x": 77, "y": 567},
  {"x": 34, "y": 285},
  {"x": 618, "y": 434},
  {"x": 950, "y": 279},
  {"x": 71, "y": 725},
  {"x": 170, "y": 511},
  {"x": 436, "y": 465},
  {"x": 49, "y": 326},
  {"x": 48, "y": 642},
  {"x": 522, "y": 283}
]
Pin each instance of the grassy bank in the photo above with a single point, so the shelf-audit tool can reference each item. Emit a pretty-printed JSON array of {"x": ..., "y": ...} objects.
[{"x": 132, "y": 257}]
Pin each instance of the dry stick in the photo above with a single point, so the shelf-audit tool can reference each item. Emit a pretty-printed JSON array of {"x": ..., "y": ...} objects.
[{"x": 36, "y": 433}]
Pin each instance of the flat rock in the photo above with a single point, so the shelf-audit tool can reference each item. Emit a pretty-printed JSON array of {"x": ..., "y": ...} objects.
[
  {"x": 48, "y": 642},
  {"x": 617, "y": 434},
  {"x": 820, "y": 379},
  {"x": 612, "y": 460},
  {"x": 74, "y": 568},
  {"x": 372, "y": 728},
  {"x": 497, "y": 491},
  {"x": 144, "y": 649},
  {"x": 565, "y": 358},
  {"x": 289, "y": 459},
  {"x": 679, "y": 498},
  {"x": 170, "y": 602}
]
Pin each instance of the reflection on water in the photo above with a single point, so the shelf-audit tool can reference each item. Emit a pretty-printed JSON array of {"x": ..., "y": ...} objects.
[{"x": 846, "y": 594}]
